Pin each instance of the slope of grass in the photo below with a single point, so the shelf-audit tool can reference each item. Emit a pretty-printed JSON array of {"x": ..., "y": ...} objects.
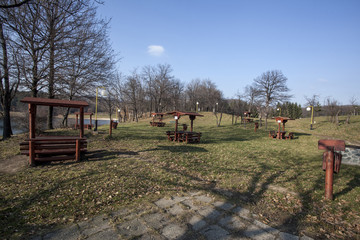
[{"x": 282, "y": 181}]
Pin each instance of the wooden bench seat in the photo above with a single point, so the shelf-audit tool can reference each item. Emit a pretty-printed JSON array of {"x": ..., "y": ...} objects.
[
  {"x": 170, "y": 135},
  {"x": 192, "y": 137},
  {"x": 54, "y": 148},
  {"x": 272, "y": 134},
  {"x": 157, "y": 124},
  {"x": 290, "y": 136}
]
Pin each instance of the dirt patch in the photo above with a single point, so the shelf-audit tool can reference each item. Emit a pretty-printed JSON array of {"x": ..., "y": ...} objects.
[{"x": 13, "y": 164}]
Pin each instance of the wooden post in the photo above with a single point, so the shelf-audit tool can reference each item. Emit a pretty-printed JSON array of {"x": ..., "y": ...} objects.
[
  {"x": 76, "y": 122},
  {"x": 31, "y": 153},
  {"x": 32, "y": 114},
  {"x": 329, "y": 175},
  {"x": 278, "y": 134},
  {"x": 81, "y": 122},
  {"x": 77, "y": 151},
  {"x": 176, "y": 128},
  {"x": 330, "y": 145}
]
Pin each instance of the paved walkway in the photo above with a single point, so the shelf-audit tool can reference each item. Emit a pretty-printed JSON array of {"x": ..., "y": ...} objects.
[{"x": 194, "y": 215}]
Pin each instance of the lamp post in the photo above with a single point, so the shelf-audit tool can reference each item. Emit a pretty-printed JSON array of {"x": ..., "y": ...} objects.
[
  {"x": 197, "y": 106},
  {"x": 311, "y": 108},
  {"x": 279, "y": 109},
  {"x": 102, "y": 93},
  {"x": 217, "y": 107},
  {"x": 118, "y": 114}
]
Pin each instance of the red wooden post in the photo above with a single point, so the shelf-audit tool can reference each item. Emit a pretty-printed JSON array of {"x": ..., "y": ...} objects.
[
  {"x": 81, "y": 122},
  {"x": 76, "y": 123},
  {"x": 176, "y": 128},
  {"x": 31, "y": 153},
  {"x": 192, "y": 118},
  {"x": 329, "y": 175},
  {"x": 330, "y": 146},
  {"x": 32, "y": 114},
  {"x": 278, "y": 133},
  {"x": 77, "y": 153}
]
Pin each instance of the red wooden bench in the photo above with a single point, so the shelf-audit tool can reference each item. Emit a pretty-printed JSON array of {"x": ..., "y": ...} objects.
[{"x": 54, "y": 148}]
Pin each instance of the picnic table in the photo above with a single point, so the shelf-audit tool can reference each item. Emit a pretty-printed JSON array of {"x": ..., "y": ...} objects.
[
  {"x": 247, "y": 120},
  {"x": 183, "y": 135},
  {"x": 281, "y": 133},
  {"x": 159, "y": 122}
]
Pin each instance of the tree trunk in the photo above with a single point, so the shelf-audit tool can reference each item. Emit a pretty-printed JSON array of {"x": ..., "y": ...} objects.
[{"x": 6, "y": 95}]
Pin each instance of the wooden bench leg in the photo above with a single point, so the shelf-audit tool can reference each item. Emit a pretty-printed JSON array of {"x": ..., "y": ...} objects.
[
  {"x": 31, "y": 153},
  {"x": 77, "y": 153}
]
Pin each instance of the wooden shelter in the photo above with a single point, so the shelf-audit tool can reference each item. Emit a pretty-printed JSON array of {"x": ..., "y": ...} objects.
[
  {"x": 185, "y": 136},
  {"x": 159, "y": 122},
  {"x": 53, "y": 148}
]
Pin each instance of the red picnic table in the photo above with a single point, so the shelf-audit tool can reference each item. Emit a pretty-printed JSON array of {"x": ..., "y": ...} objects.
[
  {"x": 184, "y": 136},
  {"x": 159, "y": 122},
  {"x": 281, "y": 134}
]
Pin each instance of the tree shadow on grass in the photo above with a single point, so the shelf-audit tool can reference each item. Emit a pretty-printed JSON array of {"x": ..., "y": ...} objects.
[
  {"x": 354, "y": 183},
  {"x": 177, "y": 149},
  {"x": 260, "y": 182},
  {"x": 105, "y": 155}
]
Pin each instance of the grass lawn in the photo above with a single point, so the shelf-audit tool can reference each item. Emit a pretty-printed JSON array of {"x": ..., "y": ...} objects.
[{"x": 279, "y": 180}]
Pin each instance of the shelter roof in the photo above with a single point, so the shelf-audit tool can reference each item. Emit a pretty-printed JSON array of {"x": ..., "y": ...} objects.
[
  {"x": 283, "y": 119},
  {"x": 157, "y": 114},
  {"x": 178, "y": 113},
  {"x": 54, "y": 102}
]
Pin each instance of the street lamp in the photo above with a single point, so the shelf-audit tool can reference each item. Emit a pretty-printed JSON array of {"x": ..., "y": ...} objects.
[
  {"x": 279, "y": 109},
  {"x": 311, "y": 108},
  {"x": 118, "y": 114},
  {"x": 102, "y": 93},
  {"x": 197, "y": 106},
  {"x": 217, "y": 107}
]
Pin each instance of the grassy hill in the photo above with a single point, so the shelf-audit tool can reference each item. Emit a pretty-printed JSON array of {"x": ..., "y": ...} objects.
[{"x": 279, "y": 180}]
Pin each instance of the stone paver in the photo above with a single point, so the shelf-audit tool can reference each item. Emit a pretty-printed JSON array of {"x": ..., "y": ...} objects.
[
  {"x": 174, "y": 231},
  {"x": 195, "y": 215},
  {"x": 214, "y": 232}
]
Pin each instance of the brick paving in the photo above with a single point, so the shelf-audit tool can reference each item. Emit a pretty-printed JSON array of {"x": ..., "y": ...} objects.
[{"x": 194, "y": 215}]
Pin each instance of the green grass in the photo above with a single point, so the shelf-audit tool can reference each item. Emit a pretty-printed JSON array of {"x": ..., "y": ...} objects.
[{"x": 282, "y": 181}]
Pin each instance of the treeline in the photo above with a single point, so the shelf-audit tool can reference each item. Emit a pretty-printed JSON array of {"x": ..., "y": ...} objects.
[{"x": 58, "y": 47}]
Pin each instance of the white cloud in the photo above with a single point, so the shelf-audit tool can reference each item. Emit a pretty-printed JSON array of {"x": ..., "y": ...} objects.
[
  {"x": 156, "y": 50},
  {"x": 322, "y": 80}
]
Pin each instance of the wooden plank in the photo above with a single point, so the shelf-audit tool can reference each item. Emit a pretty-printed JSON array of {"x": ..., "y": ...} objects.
[
  {"x": 331, "y": 144},
  {"x": 54, "y": 102},
  {"x": 55, "y": 158}
]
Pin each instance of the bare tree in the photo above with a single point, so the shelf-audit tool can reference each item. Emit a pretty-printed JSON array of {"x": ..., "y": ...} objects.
[
  {"x": 353, "y": 104},
  {"x": 251, "y": 93},
  {"x": 8, "y": 84},
  {"x": 272, "y": 88},
  {"x": 159, "y": 82},
  {"x": 87, "y": 60},
  {"x": 5, "y": 4},
  {"x": 32, "y": 42},
  {"x": 133, "y": 93},
  {"x": 332, "y": 109}
]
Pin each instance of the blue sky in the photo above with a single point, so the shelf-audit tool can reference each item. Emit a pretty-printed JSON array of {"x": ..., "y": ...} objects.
[{"x": 315, "y": 43}]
